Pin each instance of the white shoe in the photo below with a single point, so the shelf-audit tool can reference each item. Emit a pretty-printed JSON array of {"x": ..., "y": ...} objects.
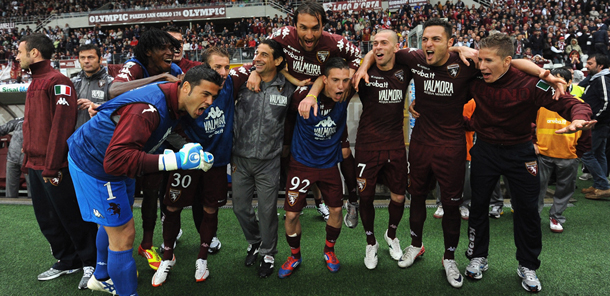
[
  {"x": 323, "y": 210},
  {"x": 214, "y": 245},
  {"x": 454, "y": 277},
  {"x": 464, "y": 212},
  {"x": 393, "y": 246},
  {"x": 201, "y": 270},
  {"x": 370, "y": 259},
  {"x": 556, "y": 226},
  {"x": 439, "y": 212},
  {"x": 105, "y": 286},
  {"x": 496, "y": 212},
  {"x": 477, "y": 266},
  {"x": 530, "y": 281},
  {"x": 585, "y": 177},
  {"x": 161, "y": 274},
  {"x": 410, "y": 254}
]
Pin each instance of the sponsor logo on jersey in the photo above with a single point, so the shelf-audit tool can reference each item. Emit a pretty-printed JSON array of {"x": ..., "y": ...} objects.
[
  {"x": 215, "y": 121},
  {"x": 438, "y": 88},
  {"x": 97, "y": 213},
  {"x": 377, "y": 84},
  {"x": 325, "y": 129},
  {"x": 278, "y": 100},
  {"x": 400, "y": 75},
  {"x": 151, "y": 109},
  {"x": 292, "y": 197},
  {"x": 390, "y": 96},
  {"x": 97, "y": 94},
  {"x": 306, "y": 68},
  {"x": 292, "y": 55},
  {"x": 322, "y": 55},
  {"x": 62, "y": 101},
  {"x": 361, "y": 184},
  {"x": 453, "y": 70},
  {"x": 422, "y": 73},
  {"x": 532, "y": 167},
  {"x": 292, "y": 48},
  {"x": 115, "y": 209},
  {"x": 174, "y": 194},
  {"x": 556, "y": 120}
]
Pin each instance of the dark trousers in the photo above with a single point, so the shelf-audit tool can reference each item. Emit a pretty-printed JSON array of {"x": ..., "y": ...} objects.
[
  {"x": 72, "y": 239},
  {"x": 518, "y": 163}
]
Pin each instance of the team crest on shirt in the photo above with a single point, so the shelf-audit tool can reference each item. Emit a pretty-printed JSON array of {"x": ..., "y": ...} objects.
[
  {"x": 400, "y": 75},
  {"x": 323, "y": 55},
  {"x": 233, "y": 168},
  {"x": 101, "y": 83},
  {"x": 115, "y": 209},
  {"x": 361, "y": 184},
  {"x": 532, "y": 167},
  {"x": 174, "y": 194},
  {"x": 292, "y": 197},
  {"x": 453, "y": 70},
  {"x": 55, "y": 181}
]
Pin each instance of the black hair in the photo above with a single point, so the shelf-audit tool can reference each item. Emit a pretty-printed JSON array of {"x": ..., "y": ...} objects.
[
  {"x": 563, "y": 72},
  {"x": 314, "y": 9},
  {"x": 173, "y": 29},
  {"x": 438, "y": 22},
  {"x": 195, "y": 75},
  {"x": 335, "y": 63},
  {"x": 601, "y": 60},
  {"x": 41, "y": 42},
  {"x": 153, "y": 39},
  {"x": 278, "y": 52},
  {"x": 90, "y": 47}
]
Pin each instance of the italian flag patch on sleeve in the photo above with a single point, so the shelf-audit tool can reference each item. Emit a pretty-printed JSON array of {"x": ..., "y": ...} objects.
[
  {"x": 63, "y": 90},
  {"x": 541, "y": 85}
]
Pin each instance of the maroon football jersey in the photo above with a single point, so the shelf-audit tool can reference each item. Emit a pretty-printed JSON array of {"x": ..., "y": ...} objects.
[
  {"x": 131, "y": 71},
  {"x": 383, "y": 102},
  {"x": 310, "y": 64},
  {"x": 440, "y": 94}
]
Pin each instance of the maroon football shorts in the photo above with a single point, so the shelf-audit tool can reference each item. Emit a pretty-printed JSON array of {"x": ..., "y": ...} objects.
[
  {"x": 301, "y": 177},
  {"x": 185, "y": 185},
  {"x": 445, "y": 164},
  {"x": 388, "y": 167}
]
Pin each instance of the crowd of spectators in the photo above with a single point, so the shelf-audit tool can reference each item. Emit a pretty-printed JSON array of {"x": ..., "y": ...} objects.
[{"x": 559, "y": 32}]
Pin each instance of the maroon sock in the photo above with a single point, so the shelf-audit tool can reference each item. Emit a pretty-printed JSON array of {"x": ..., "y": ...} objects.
[
  {"x": 171, "y": 227},
  {"x": 348, "y": 169},
  {"x": 367, "y": 215},
  {"x": 331, "y": 238},
  {"x": 451, "y": 229},
  {"x": 417, "y": 217},
  {"x": 317, "y": 201},
  {"x": 295, "y": 245},
  {"x": 208, "y": 227},
  {"x": 396, "y": 211}
]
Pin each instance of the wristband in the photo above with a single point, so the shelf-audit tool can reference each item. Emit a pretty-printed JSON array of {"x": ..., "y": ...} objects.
[{"x": 312, "y": 96}]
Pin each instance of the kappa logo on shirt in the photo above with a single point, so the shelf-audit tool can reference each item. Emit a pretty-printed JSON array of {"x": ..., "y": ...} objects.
[
  {"x": 62, "y": 101},
  {"x": 150, "y": 109},
  {"x": 214, "y": 113},
  {"x": 97, "y": 213}
]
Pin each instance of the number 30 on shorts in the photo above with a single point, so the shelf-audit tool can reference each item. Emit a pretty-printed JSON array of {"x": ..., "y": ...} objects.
[
  {"x": 296, "y": 182},
  {"x": 181, "y": 180}
]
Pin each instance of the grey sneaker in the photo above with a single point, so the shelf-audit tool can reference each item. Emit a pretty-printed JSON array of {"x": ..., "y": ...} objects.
[
  {"x": 530, "y": 281},
  {"x": 475, "y": 269},
  {"x": 351, "y": 217},
  {"x": 87, "y": 274},
  {"x": 585, "y": 177},
  {"x": 104, "y": 286},
  {"x": 496, "y": 212},
  {"x": 215, "y": 246},
  {"x": 53, "y": 273},
  {"x": 323, "y": 210}
]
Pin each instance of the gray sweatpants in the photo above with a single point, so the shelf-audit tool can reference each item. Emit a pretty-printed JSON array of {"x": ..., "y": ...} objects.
[
  {"x": 566, "y": 171},
  {"x": 264, "y": 175}
]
